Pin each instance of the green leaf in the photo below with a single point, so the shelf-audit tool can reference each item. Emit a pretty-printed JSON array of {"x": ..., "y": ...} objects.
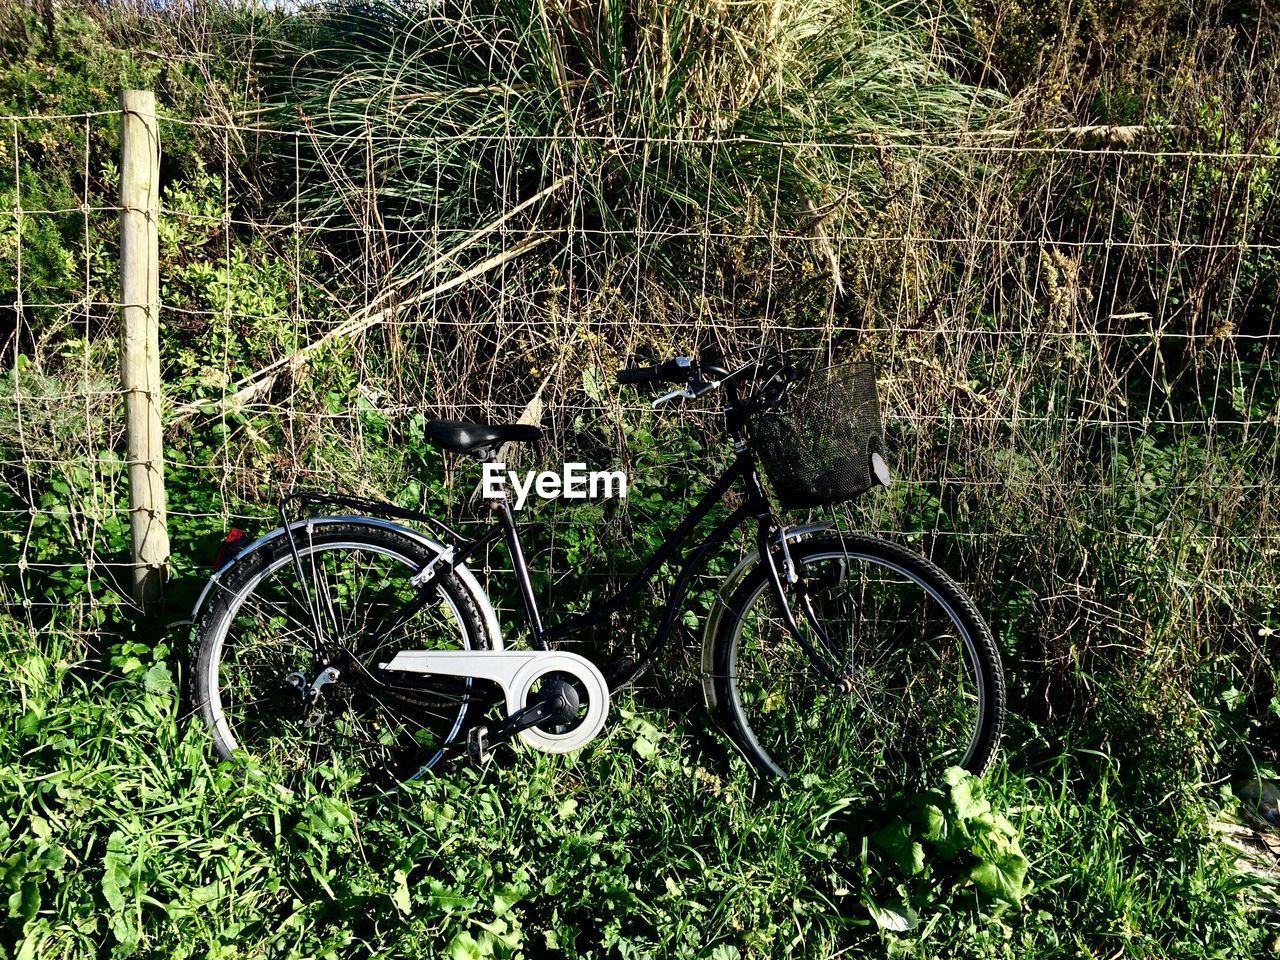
[
  {"x": 1003, "y": 878},
  {"x": 966, "y": 794},
  {"x": 159, "y": 679},
  {"x": 116, "y": 878},
  {"x": 29, "y": 725},
  {"x": 934, "y": 824},
  {"x": 24, "y": 903},
  {"x": 400, "y": 895},
  {"x": 506, "y": 898},
  {"x": 465, "y": 947},
  {"x": 896, "y": 840},
  {"x": 895, "y": 916}
]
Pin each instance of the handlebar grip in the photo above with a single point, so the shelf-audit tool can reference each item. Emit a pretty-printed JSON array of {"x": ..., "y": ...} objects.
[
  {"x": 638, "y": 375},
  {"x": 673, "y": 371}
]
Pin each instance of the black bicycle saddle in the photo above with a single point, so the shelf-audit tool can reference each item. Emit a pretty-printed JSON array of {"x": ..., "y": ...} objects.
[{"x": 478, "y": 438}]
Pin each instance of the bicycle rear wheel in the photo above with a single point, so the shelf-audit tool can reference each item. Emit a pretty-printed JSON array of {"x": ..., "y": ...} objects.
[
  {"x": 919, "y": 683},
  {"x": 258, "y": 651}
]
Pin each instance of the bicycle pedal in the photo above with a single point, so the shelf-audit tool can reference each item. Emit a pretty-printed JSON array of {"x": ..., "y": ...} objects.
[{"x": 478, "y": 744}]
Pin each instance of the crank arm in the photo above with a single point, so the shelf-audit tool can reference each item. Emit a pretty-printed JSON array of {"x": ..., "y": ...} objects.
[
  {"x": 521, "y": 720},
  {"x": 481, "y": 739}
]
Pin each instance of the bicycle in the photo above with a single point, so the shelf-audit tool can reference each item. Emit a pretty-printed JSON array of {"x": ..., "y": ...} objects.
[{"x": 825, "y": 651}]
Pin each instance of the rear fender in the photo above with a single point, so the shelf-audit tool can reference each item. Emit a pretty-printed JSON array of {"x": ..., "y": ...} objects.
[{"x": 468, "y": 580}]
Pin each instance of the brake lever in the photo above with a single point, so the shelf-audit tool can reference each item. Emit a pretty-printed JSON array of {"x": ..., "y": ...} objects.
[
  {"x": 674, "y": 394},
  {"x": 691, "y": 392}
]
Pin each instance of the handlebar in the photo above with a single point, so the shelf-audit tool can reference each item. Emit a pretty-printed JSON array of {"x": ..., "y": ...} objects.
[{"x": 696, "y": 377}]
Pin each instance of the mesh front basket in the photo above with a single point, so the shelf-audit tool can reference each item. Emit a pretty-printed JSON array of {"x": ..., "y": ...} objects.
[{"x": 816, "y": 448}]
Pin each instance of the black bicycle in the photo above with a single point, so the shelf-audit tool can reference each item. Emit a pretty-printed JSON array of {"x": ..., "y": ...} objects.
[{"x": 826, "y": 652}]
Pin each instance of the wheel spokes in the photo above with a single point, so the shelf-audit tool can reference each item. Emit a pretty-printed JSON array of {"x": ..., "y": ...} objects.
[
  {"x": 356, "y": 590},
  {"x": 906, "y": 700}
]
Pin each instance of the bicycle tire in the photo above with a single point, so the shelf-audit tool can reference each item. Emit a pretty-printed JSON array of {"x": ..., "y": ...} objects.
[
  {"x": 248, "y": 573},
  {"x": 977, "y": 640}
]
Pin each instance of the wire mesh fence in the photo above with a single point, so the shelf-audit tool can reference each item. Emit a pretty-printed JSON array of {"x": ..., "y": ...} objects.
[{"x": 1075, "y": 332}]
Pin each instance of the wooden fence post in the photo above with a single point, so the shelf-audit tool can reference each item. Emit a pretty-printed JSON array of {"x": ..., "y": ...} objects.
[{"x": 140, "y": 340}]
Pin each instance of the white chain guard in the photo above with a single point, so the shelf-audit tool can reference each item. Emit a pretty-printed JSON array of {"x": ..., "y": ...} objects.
[{"x": 515, "y": 671}]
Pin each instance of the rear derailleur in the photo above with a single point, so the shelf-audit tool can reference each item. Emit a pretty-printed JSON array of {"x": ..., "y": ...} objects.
[{"x": 312, "y": 715}]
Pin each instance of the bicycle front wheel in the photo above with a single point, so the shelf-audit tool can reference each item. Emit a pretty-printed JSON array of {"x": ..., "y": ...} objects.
[{"x": 917, "y": 687}]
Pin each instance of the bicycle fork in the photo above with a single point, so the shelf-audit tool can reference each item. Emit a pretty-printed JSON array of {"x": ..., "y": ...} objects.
[{"x": 795, "y": 578}]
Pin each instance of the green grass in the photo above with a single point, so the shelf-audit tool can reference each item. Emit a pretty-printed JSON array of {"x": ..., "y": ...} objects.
[
  {"x": 125, "y": 839},
  {"x": 1127, "y": 572},
  {"x": 672, "y": 123}
]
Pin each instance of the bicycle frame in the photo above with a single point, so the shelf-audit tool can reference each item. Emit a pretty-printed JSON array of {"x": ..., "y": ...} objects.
[
  {"x": 618, "y": 673},
  {"x": 756, "y": 506}
]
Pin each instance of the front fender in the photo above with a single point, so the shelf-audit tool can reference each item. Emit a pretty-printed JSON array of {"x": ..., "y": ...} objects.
[
  {"x": 465, "y": 576},
  {"x": 725, "y": 593}
]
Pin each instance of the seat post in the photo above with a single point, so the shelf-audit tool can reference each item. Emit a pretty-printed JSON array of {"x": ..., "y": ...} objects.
[{"x": 507, "y": 519}]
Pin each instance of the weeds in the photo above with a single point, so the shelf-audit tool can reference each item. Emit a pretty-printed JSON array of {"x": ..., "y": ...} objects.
[
  {"x": 1076, "y": 334},
  {"x": 123, "y": 834}
]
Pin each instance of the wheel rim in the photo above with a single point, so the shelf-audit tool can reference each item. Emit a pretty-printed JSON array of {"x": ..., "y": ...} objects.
[
  {"x": 914, "y": 702},
  {"x": 265, "y": 633}
]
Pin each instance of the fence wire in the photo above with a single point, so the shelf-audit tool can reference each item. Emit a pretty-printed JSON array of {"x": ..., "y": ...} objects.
[{"x": 1076, "y": 354}]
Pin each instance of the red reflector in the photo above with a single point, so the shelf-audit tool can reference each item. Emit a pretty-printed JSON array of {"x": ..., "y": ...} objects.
[{"x": 236, "y": 541}]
